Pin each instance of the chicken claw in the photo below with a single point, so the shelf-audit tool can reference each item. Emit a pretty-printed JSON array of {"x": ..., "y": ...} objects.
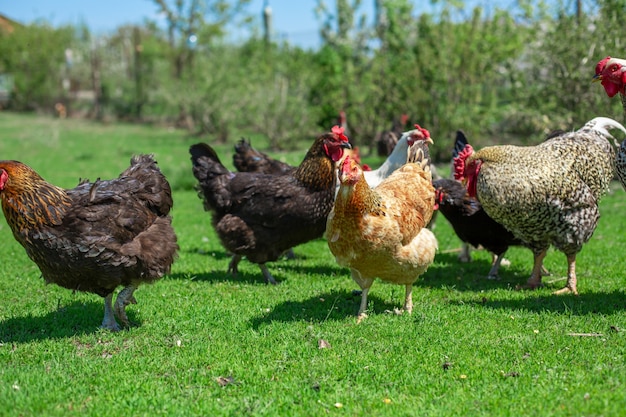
[
  {"x": 266, "y": 273},
  {"x": 233, "y": 265},
  {"x": 108, "y": 322},
  {"x": 124, "y": 298}
]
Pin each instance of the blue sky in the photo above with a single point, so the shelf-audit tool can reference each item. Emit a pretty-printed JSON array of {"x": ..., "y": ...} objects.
[{"x": 293, "y": 20}]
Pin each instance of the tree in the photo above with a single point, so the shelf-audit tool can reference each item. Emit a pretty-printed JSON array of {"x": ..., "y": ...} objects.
[{"x": 35, "y": 57}]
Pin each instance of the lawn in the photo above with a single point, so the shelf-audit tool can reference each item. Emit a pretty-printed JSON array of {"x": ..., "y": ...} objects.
[{"x": 209, "y": 344}]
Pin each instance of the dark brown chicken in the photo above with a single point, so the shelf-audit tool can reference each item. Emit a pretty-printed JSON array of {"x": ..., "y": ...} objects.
[
  {"x": 260, "y": 216},
  {"x": 97, "y": 236},
  {"x": 248, "y": 159}
]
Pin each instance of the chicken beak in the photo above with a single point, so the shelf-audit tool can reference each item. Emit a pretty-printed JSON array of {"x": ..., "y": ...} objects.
[
  {"x": 596, "y": 78},
  {"x": 345, "y": 145}
]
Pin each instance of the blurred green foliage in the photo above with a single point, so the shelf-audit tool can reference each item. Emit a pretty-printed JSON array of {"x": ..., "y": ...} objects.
[{"x": 500, "y": 75}]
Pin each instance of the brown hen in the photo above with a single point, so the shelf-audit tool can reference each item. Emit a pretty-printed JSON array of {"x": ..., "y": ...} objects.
[
  {"x": 97, "y": 236},
  {"x": 380, "y": 232}
]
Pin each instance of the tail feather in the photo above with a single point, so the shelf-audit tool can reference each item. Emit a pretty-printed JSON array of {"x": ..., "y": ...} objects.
[
  {"x": 212, "y": 176},
  {"x": 459, "y": 143},
  {"x": 155, "y": 190},
  {"x": 246, "y": 158},
  {"x": 206, "y": 163}
]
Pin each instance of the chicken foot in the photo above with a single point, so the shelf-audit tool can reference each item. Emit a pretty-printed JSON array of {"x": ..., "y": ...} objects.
[
  {"x": 361, "y": 315},
  {"x": 269, "y": 279},
  {"x": 465, "y": 255},
  {"x": 534, "y": 281},
  {"x": 233, "y": 265},
  {"x": 408, "y": 299},
  {"x": 124, "y": 298},
  {"x": 495, "y": 266},
  {"x": 108, "y": 322},
  {"x": 571, "y": 277}
]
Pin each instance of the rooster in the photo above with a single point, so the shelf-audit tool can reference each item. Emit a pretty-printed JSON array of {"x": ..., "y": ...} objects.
[
  {"x": 611, "y": 72},
  {"x": 545, "y": 194},
  {"x": 97, "y": 236},
  {"x": 380, "y": 232},
  {"x": 260, "y": 216}
]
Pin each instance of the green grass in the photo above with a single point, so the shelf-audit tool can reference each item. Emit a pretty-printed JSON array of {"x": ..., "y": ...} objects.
[{"x": 471, "y": 347}]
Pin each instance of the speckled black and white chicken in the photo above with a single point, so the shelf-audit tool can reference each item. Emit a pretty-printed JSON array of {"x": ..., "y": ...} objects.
[{"x": 546, "y": 194}]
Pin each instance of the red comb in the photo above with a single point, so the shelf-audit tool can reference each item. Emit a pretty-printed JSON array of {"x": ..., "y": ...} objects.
[
  {"x": 345, "y": 167},
  {"x": 459, "y": 162},
  {"x": 338, "y": 132},
  {"x": 600, "y": 66},
  {"x": 423, "y": 131}
]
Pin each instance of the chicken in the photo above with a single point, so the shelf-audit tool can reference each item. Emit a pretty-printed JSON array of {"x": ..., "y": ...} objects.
[
  {"x": 260, "y": 216},
  {"x": 387, "y": 140},
  {"x": 468, "y": 219},
  {"x": 97, "y": 236},
  {"x": 611, "y": 72},
  {"x": 380, "y": 232},
  {"x": 398, "y": 156},
  {"x": 248, "y": 159},
  {"x": 545, "y": 194},
  {"x": 470, "y": 222}
]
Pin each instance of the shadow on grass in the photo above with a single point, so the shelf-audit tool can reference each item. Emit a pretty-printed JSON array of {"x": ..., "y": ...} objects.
[
  {"x": 281, "y": 270},
  {"x": 215, "y": 276},
  {"x": 214, "y": 254},
  {"x": 448, "y": 271},
  {"x": 76, "y": 318},
  {"x": 334, "y": 305},
  {"x": 580, "y": 305}
]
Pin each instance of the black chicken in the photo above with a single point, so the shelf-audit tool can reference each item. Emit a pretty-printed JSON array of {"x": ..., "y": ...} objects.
[{"x": 261, "y": 216}]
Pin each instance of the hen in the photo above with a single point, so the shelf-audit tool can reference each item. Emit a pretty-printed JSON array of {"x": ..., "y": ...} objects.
[
  {"x": 470, "y": 222},
  {"x": 545, "y": 194},
  {"x": 380, "y": 232},
  {"x": 97, "y": 236},
  {"x": 260, "y": 216}
]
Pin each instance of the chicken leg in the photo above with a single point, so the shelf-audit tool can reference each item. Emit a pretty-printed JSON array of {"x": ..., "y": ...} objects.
[
  {"x": 124, "y": 298},
  {"x": 266, "y": 273},
  {"x": 408, "y": 299},
  {"x": 571, "y": 277},
  {"x": 361, "y": 314},
  {"x": 534, "y": 281},
  {"x": 108, "y": 322},
  {"x": 233, "y": 266},
  {"x": 365, "y": 284}
]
